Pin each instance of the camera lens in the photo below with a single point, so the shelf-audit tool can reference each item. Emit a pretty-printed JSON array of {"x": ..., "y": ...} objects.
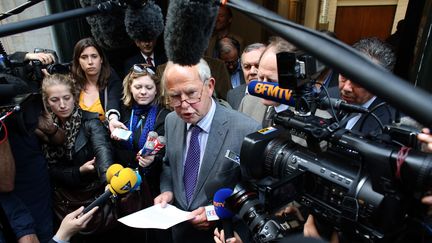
[{"x": 58, "y": 68}]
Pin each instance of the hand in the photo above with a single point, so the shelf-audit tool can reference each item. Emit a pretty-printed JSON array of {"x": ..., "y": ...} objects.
[
  {"x": 310, "y": 230},
  {"x": 219, "y": 237},
  {"x": 145, "y": 160},
  {"x": 74, "y": 222},
  {"x": 113, "y": 124},
  {"x": 46, "y": 123},
  {"x": 164, "y": 198},
  {"x": 31, "y": 238},
  {"x": 199, "y": 221},
  {"x": 426, "y": 138},
  {"x": 44, "y": 58},
  {"x": 290, "y": 210},
  {"x": 89, "y": 166},
  {"x": 427, "y": 200}
]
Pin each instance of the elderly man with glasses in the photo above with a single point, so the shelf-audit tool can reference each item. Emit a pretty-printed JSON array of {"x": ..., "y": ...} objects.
[{"x": 199, "y": 134}]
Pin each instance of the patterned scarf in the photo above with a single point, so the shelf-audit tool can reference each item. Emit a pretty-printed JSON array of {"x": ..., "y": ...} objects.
[
  {"x": 139, "y": 113},
  {"x": 71, "y": 128}
]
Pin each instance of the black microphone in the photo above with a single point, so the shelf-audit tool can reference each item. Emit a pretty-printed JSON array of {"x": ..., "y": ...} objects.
[
  {"x": 144, "y": 21},
  {"x": 121, "y": 182},
  {"x": 338, "y": 104},
  {"x": 189, "y": 26}
]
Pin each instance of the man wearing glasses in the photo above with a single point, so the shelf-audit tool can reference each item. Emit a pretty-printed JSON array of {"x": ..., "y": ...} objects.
[{"x": 199, "y": 133}]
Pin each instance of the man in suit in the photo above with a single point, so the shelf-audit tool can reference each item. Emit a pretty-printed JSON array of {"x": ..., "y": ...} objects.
[
  {"x": 264, "y": 110},
  {"x": 198, "y": 133},
  {"x": 149, "y": 53},
  {"x": 249, "y": 63},
  {"x": 381, "y": 54},
  {"x": 229, "y": 52}
]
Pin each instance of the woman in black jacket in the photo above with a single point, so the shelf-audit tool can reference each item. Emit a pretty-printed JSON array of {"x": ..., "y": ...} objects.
[
  {"x": 80, "y": 164},
  {"x": 141, "y": 114},
  {"x": 98, "y": 83}
]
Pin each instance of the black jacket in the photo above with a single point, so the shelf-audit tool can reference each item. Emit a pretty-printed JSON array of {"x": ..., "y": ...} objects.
[
  {"x": 92, "y": 141},
  {"x": 110, "y": 97}
]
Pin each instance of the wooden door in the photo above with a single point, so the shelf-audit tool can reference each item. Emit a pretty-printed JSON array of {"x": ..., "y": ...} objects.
[{"x": 355, "y": 22}]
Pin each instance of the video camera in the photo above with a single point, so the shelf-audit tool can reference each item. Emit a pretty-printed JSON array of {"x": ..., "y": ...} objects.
[
  {"x": 55, "y": 67},
  {"x": 367, "y": 187}
]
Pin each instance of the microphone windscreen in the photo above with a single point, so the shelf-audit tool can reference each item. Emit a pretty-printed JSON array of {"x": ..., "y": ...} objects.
[
  {"x": 219, "y": 203},
  {"x": 189, "y": 26},
  {"x": 124, "y": 181},
  {"x": 144, "y": 22},
  {"x": 108, "y": 28},
  {"x": 114, "y": 169}
]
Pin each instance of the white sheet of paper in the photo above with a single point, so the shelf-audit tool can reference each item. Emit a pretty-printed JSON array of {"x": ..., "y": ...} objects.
[{"x": 156, "y": 217}]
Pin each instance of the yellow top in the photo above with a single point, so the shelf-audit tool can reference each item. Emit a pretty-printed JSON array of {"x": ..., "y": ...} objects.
[{"x": 95, "y": 107}]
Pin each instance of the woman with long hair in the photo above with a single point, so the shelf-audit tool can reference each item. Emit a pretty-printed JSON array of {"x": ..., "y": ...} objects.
[{"x": 99, "y": 85}]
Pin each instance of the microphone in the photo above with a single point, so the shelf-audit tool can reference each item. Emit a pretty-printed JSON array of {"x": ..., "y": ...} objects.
[
  {"x": 271, "y": 91},
  {"x": 144, "y": 22},
  {"x": 189, "y": 25},
  {"x": 158, "y": 145},
  {"x": 108, "y": 29},
  {"x": 120, "y": 183},
  {"x": 223, "y": 213},
  {"x": 338, "y": 104}
]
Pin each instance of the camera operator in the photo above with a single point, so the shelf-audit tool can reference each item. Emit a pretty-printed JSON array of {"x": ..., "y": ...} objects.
[
  {"x": 23, "y": 67},
  {"x": 381, "y": 54},
  {"x": 28, "y": 200}
]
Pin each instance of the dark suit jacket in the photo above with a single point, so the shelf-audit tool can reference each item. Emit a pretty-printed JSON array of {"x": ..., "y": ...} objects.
[
  {"x": 235, "y": 96},
  {"x": 386, "y": 114},
  {"x": 159, "y": 58},
  {"x": 227, "y": 132}
]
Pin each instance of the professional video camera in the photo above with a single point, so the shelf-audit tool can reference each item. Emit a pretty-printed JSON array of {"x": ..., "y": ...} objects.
[
  {"x": 56, "y": 67},
  {"x": 368, "y": 188}
]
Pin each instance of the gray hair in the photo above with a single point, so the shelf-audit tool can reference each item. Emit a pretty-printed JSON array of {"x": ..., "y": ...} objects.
[
  {"x": 202, "y": 67},
  {"x": 204, "y": 70},
  {"x": 253, "y": 47},
  {"x": 378, "y": 51}
]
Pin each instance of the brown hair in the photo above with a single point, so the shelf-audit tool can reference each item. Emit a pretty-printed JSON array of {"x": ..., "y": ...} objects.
[
  {"x": 127, "y": 82},
  {"x": 79, "y": 74}
]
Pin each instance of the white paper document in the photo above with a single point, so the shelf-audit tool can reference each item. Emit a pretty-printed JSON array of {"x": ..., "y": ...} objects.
[{"x": 156, "y": 217}]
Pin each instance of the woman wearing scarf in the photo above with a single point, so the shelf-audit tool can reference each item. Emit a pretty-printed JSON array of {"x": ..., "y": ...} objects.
[
  {"x": 77, "y": 167},
  {"x": 141, "y": 114}
]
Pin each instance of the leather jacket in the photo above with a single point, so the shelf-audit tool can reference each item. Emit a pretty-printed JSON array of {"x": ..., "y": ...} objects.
[{"x": 92, "y": 141}]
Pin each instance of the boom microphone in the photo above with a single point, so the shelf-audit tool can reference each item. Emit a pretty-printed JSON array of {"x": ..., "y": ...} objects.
[
  {"x": 271, "y": 91},
  {"x": 108, "y": 28},
  {"x": 189, "y": 26},
  {"x": 144, "y": 22},
  {"x": 223, "y": 213}
]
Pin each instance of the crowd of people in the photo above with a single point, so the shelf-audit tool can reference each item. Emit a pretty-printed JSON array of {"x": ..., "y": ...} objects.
[{"x": 203, "y": 111}]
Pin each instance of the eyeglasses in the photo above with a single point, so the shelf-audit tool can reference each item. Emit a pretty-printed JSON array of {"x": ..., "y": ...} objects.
[
  {"x": 192, "y": 98},
  {"x": 142, "y": 68}
]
